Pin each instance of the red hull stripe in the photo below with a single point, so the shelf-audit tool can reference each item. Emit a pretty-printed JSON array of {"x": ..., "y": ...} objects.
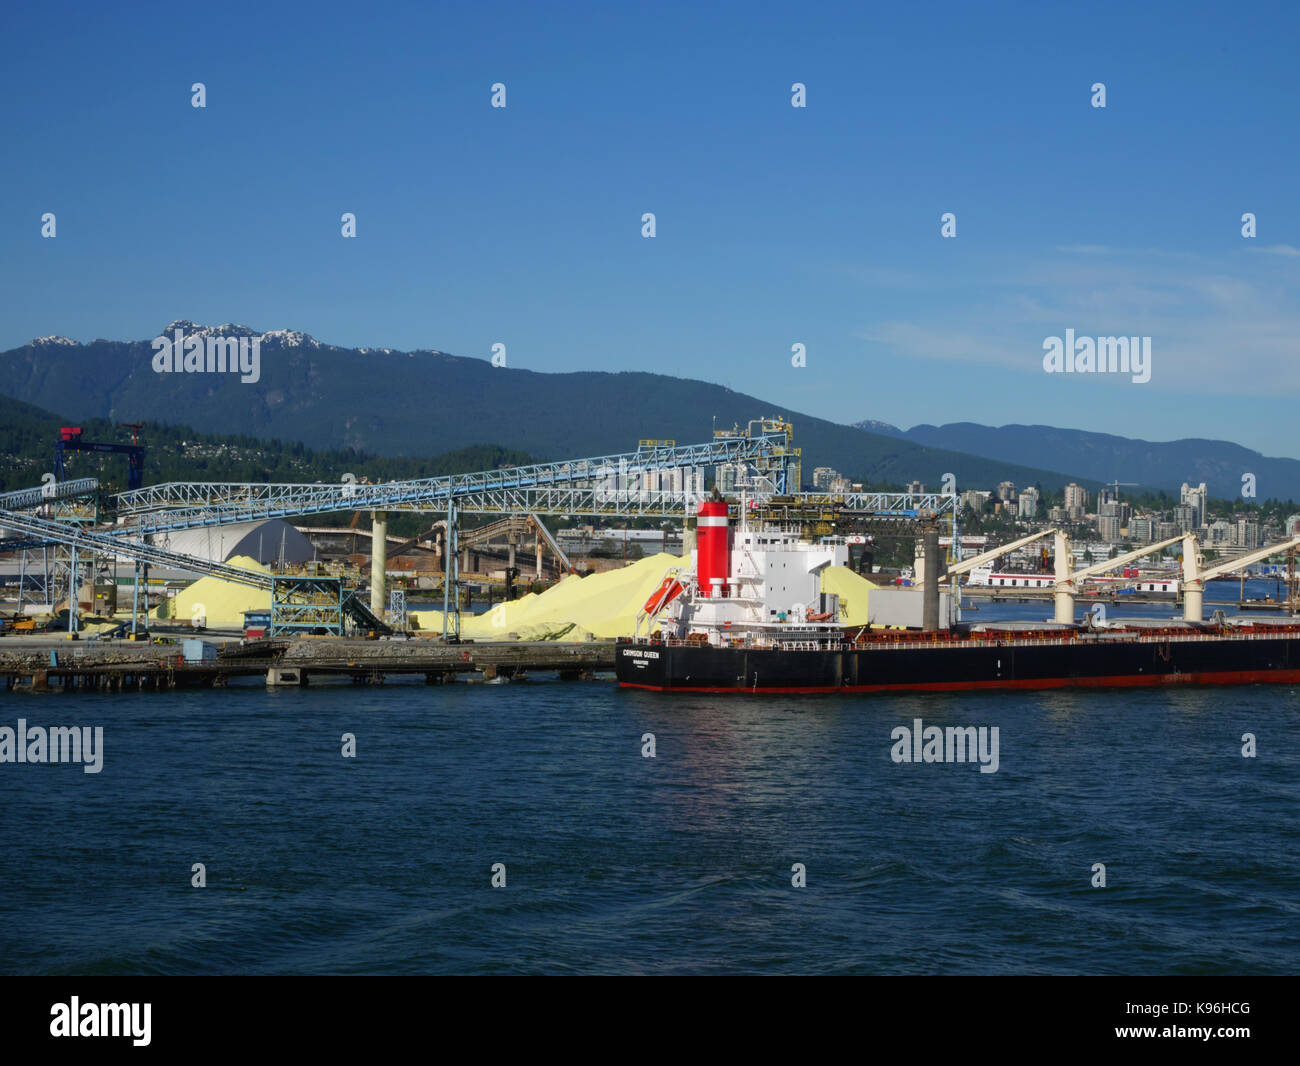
[{"x": 1231, "y": 677}]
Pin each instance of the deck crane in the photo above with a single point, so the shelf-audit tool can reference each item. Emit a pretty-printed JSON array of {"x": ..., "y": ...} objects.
[
  {"x": 1194, "y": 578},
  {"x": 1067, "y": 575}
]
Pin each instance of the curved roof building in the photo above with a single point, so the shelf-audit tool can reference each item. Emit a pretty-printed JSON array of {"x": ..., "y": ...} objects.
[{"x": 271, "y": 541}]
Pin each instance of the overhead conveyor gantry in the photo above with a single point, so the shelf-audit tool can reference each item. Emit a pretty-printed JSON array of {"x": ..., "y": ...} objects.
[
  {"x": 614, "y": 485},
  {"x": 310, "y": 602},
  {"x": 115, "y": 545},
  {"x": 619, "y": 485},
  {"x": 40, "y": 496},
  {"x": 78, "y": 539}
]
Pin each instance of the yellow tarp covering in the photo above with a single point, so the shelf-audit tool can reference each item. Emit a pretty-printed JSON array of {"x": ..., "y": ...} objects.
[
  {"x": 604, "y": 605},
  {"x": 852, "y": 589},
  {"x": 222, "y": 603}
]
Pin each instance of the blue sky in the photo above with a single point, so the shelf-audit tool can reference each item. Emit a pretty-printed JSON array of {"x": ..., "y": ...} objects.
[{"x": 775, "y": 225}]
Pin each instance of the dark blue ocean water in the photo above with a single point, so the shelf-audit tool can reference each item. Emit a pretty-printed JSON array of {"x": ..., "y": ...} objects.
[
  {"x": 681, "y": 863},
  {"x": 676, "y": 864}
]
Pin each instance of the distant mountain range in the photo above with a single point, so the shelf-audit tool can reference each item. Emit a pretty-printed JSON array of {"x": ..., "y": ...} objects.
[
  {"x": 1103, "y": 457},
  {"x": 177, "y": 452},
  {"x": 428, "y": 402}
]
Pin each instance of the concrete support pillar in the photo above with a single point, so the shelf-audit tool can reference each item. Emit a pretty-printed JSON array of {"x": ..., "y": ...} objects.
[
  {"x": 511, "y": 560},
  {"x": 918, "y": 562},
  {"x": 539, "y": 558},
  {"x": 930, "y": 591},
  {"x": 451, "y": 576},
  {"x": 378, "y": 562}
]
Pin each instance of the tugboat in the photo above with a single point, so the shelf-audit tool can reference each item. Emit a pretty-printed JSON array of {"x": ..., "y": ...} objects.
[{"x": 751, "y": 617}]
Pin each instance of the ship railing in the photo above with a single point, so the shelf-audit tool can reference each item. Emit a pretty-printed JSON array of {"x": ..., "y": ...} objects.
[
  {"x": 893, "y": 645},
  {"x": 1134, "y": 638},
  {"x": 749, "y": 642},
  {"x": 731, "y": 595}
]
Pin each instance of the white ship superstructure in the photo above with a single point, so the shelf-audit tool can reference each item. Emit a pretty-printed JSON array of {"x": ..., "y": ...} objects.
[{"x": 749, "y": 584}]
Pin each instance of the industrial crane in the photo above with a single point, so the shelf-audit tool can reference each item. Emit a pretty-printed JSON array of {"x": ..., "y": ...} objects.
[{"x": 70, "y": 441}]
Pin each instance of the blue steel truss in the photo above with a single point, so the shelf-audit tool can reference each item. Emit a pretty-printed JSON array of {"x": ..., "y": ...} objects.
[
  {"x": 903, "y": 505},
  {"x": 612, "y": 486},
  {"x": 617, "y": 485},
  {"x": 25, "y": 499},
  {"x": 298, "y": 603},
  {"x": 114, "y": 545}
]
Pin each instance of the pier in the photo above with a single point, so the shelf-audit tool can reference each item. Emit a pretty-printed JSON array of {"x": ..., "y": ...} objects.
[{"x": 149, "y": 668}]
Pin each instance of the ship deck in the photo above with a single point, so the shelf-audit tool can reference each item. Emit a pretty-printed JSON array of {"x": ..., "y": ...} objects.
[{"x": 884, "y": 641}]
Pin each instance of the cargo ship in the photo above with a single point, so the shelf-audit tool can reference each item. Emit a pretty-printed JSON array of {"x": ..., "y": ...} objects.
[{"x": 749, "y": 616}]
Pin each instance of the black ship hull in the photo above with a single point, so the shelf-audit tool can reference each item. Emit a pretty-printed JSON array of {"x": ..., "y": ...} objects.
[{"x": 1202, "y": 660}]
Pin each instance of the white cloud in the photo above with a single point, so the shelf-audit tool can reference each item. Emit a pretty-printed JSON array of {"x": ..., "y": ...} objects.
[
  {"x": 1276, "y": 249},
  {"x": 1214, "y": 331}
]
